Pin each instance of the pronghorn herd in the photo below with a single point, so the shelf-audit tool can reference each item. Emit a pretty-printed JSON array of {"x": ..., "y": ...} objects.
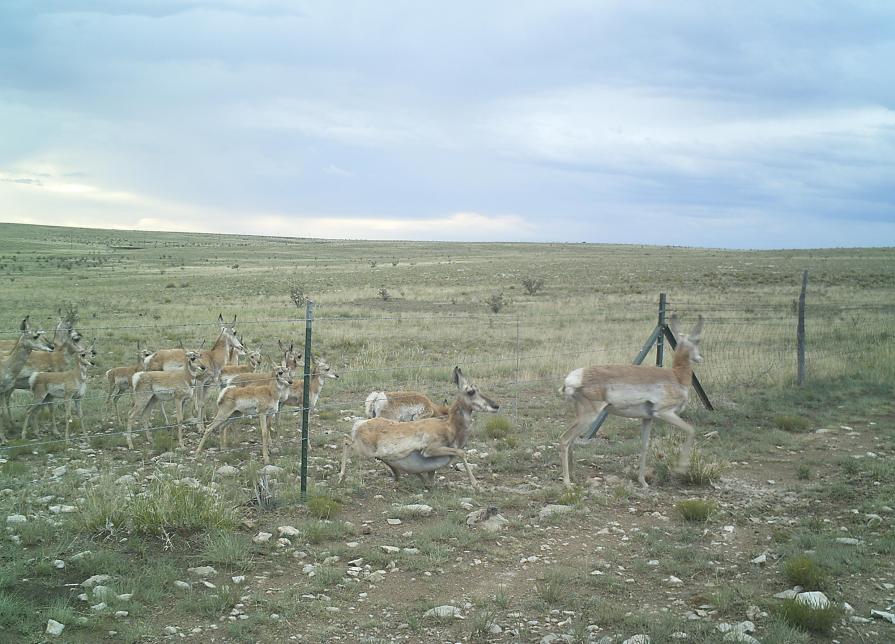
[{"x": 405, "y": 430}]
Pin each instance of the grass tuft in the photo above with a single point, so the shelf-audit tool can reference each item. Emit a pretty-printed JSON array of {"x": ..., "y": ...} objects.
[
  {"x": 793, "y": 424},
  {"x": 323, "y": 507},
  {"x": 498, "y": 427},
  {"x": 803, "y": 571},
  {"x": 807, "y": 618},
  {"x": 696, "y": 510}
]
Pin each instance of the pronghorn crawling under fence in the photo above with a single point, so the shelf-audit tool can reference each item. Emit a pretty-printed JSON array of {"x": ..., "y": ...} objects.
[
  {"x": 252, "y": 400},
  {"x": 29, "y": 340},
  {"x": 402, "y": 406},
  {"x": 152, "y": 387},
  {"x": 120, "y": 381},
  {"x": 634, "y": 392},
  {"x": 420, "y": 446},
  {"x": 70, "y": 386}
]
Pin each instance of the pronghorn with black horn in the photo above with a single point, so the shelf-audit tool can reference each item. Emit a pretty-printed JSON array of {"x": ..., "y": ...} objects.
[
  {"x": 421, "y": 446},
  {"x": 152, "y": 387},
  {"x": 634, "y": 391},
  {"x": 48, "y": 387},
  {"x": 29, "y": 340},
  {"x": 252, "y": 400},
  {"x": 120, "y": 380}
]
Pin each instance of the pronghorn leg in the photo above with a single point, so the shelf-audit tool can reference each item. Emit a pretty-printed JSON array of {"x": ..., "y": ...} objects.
[
  {"x": 78, "y": 409},
  {"x": 645, "y": 426},
  {"x": 677, "y": 421},
  {"x": 569, "y": 436},
  {"x": 51, "y": 408},
  {"x": 265, "y": 439},
  {"x": 114, "y": 400},
  {"x": 213, "y": 425},
  {"x": 138, "y": 411},
  {"x": 29, "y": 414},
  {"x": 69, "y": 419},
  {"x": 444, "y": 450},
  {"x": 346, "y": 446},
  {"x": 178, "y": 409}
]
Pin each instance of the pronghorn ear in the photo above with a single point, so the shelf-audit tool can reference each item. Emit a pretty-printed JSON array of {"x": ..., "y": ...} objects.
[
  {"x": 696, "y": 331},
  {"x": 280, "y": 344},
  {"x": 233, "y": 323},
  {"x": 674, "y": 325},
  {"x": 25, "y": 325},
  {"x": 221, "y": 318},
  {"x": 458, "y": 378}
]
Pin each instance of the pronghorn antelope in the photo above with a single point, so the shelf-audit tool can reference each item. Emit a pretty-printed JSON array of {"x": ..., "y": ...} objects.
[
  {"x": 320, "y": 371},
  {"x": 421, "y": 446},
  {"x": 152, "y": 387},
  {"x": 29, "y": 340},
  {"x": 70, "y": 386},
  {"x": 230, "y": 371},
  {"x": 252, "y": 400},
  {"x": 635, "y": 392},
  {"x": 120, "y": 381},
  {"x": 402, "y": 406},
  {"x": 66, "y": 340},
  {"x": 214, "y": 360},
  {"x": 290, "y": 361}
]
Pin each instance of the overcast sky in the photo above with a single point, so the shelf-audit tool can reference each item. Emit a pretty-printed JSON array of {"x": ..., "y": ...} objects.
[{"x": 733, "y": 124}]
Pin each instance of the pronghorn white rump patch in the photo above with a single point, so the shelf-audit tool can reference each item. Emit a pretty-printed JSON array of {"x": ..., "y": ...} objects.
[
  {"x": 573, "y": 382},
  {"x": 136, "y": 378},
  {"x": 374, "y": 404}
]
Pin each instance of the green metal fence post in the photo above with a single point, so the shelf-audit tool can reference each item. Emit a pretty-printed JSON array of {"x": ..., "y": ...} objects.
[
  {"x": 660, "y": 342},
  {"x": 305, "y": 405}
]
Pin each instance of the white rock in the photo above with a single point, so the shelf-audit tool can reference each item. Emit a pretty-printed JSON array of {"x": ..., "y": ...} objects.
[
  {"x": 271, "y": 470},
  {"x": 238, "y": 579},
  {"x": 849, "y": 541},
  {"x": 674, "y": 581},
  {"x": 761, "y": 559},
  {"x": 81, "y": 555},
  {"x": 393, "y": 521},
  {"x": 288, "y": 531},
  {"x": 226, "y": 471},
  {"x": 873, "y": 520},
  {"x": 494, "y": 523},
  {"x": 14, "y": 519},
  {"x": 309, "y": 569},
  {"x": 789, "y": 594},
  {"x": 390, "y": 549},
  {"x": 54, "y": 628},
  {"x": 637, "y": 639},
  {"x": 814, "y": 599},
  {"x": 58, "y": 563},
  {"x": 553, "y": 638},
  {"x": 208, "y": 584},
  {"x": 444, "y": 612},
  {"x": 124, "y": 597},
  {"x": 417, "y": 509},
  {"x": 262, "y": 537},
  {"x": 742, "y": 638},
  {"x": 170, "y": 630},
  {"x": 889, "y": 617},
  {"x": 90, "y": 582},
  {"x": 99, "y": 607},
  {"x": 126, "y": 479},
  {"x": 63, "y": 509},
  {"x": 495, "y": 629},
  {"x": 181, "y": 585},
  {"x": 57, "y": 472},
  {"x": 101, "y": 592},
  {"x": 552, "y": 509},
  {"x": 121, "y": 614},
  {"x": 202, "y": 571},
  {"x": 857, "y": 619},
  {"x": 680, "y": 635}
]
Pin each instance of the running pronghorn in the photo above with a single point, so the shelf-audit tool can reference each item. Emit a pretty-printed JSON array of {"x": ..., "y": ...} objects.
[
  {"x": 421, "y": 446},
  {"x": 251, "y": 400},
  {"x": 120, "y": 381},
  {"x": 214, "y": 360},
  {"x": 402, "y": 406},
  {"x": 634, "y": 391},
  {"x": 49, "y": 386},
  {"x": 29, "y": 340},
  {"x": 152, "y": 387}
]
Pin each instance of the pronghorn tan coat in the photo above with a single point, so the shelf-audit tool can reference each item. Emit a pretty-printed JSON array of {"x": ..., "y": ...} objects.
[
  {"x": 633, "y": 391},
  {"x": 29, "y": 340},
  {"x": 120, "y": 381},
  {"x": 402, "y": 406}
]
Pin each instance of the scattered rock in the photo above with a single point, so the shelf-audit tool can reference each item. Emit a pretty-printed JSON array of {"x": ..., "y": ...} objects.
[
  {"x": 14, "y": 519},
  {"x": 761, "y": 559},
  {"x": 126, "y": 479},
  {"x": 288, "y": 531},
  {"x": 238, "y": 579},
  {"x": 63, "y": 509},
  {"x": 552, "y": 509},
  {"x": 81, "y": 555},
  {"x": 57, "y": 472},
  {"x": 390, "y": 549},
  {"x": 674, "y": 581},
  {"x": 59, "y": 564},
  {"x": 170, "y": 630},
  {"x": 881, "y": 614},
  {"x": 495, "y": 629},
  {"x": 552, "y": 638},
  {"x": 99, "y": 607},
  {"x": 849, "y": 541},
  {"x": 789, "y": 594},
  {"x": 443, "y": 612},
  {"x": 182, "y": 585},
  {"x": 873, "y": 520},
  {"x": 124, "y": 597},
  {"x": 416, "y": 509},
  {"x": 393, "y": 521},
  {"x": 262, "y": 537},
  {"x": 90, "y": 582},
  {"x": 814, "y": 599},
  {"x": 638, "y": 639},
  {"x": 121, "y": 614},
  {"x": 54, "y": 628},
  {"x": 202, "y": 571},
  {"x": 271, "y": 470}
]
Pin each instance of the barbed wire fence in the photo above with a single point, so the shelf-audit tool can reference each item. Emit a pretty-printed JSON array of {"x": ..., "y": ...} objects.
[{"x": 520, "y": 359}]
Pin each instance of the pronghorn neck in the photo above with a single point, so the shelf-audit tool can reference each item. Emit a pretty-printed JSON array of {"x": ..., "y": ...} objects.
[
  {"x": 18, "y": 355},
  {"x": 218, "y": 354},
  {"x": 682, "y": 366},
  {"x": 459, "y": 419}
]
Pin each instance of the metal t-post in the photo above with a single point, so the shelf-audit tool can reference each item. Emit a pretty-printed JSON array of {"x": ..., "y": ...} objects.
[
  {"x": 660, "y": 342},
  {"x": 305, "y": 404}
]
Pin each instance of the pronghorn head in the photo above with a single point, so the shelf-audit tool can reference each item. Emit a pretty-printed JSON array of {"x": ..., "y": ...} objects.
[
  {"x": 87, "y": 356},
  {"x": 194, "y": 363},
  {"x": 322, "y": 369},
  {"x": 688, "y": 342},
  {"x": 472, "y": 398},
  {"x": 290, "y": 357},
  {"x": 284, "y": 377},
  {"x": 73, "y": 340},
  {"x": 34, "y": 338},
  {"x": 255, "y": 357},
  {"x": 228, "y": 330}
]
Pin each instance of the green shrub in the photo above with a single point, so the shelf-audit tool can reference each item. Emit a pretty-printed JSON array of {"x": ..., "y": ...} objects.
[
  {"x": 808, "y": 618},
  {"x": 323, "y": 507},
  {"x": 803, "y": 571},
  {"x": 696, "y": 510},
  {"x": 795, "y": 424},
  {"x": 497, "y": 427}
]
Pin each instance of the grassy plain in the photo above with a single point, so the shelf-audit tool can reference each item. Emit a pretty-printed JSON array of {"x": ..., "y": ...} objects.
[{"x": 603, "y": 569}]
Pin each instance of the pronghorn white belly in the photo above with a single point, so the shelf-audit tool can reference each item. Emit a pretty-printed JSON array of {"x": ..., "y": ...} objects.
[
  {"x": 416, "y": 463},
  {"x": 643, "y": 401}
]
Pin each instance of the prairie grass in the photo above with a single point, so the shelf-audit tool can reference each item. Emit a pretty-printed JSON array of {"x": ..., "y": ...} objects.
[{"x": 696, "y": 510}]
